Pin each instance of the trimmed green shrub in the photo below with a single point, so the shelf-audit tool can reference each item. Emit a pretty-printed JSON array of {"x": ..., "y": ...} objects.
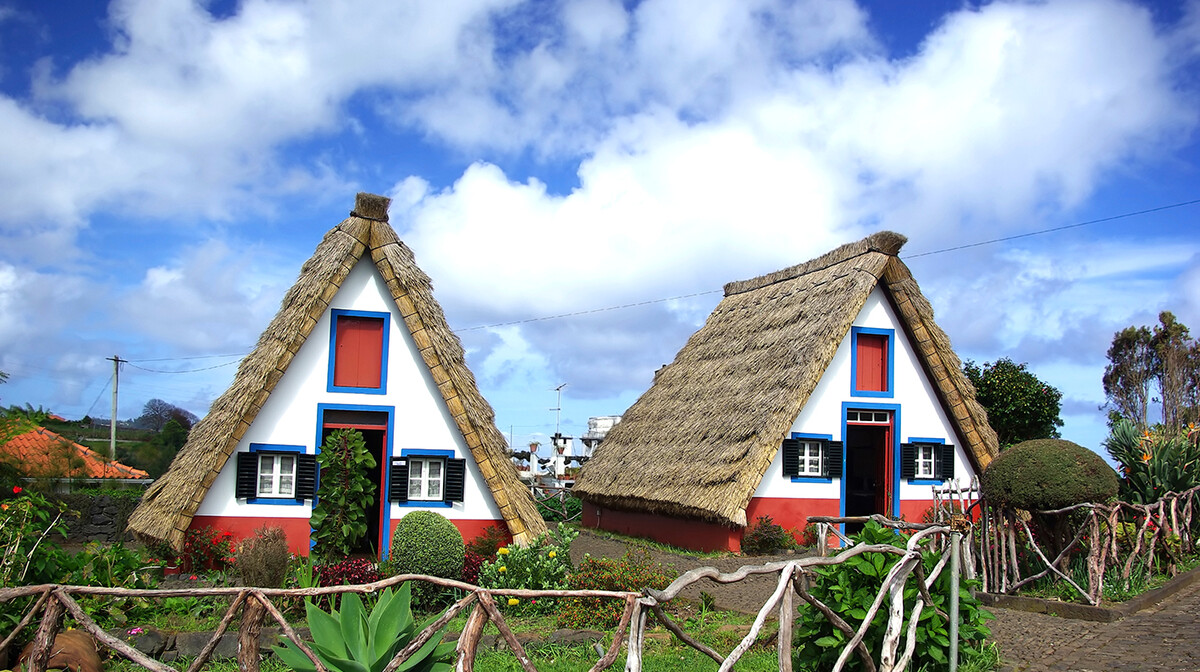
[
  {"x": 849, "y": 589},
  {"x": 765, "y": 537},
  {"x": 427, "y": 543},
  {"x": 634, "y": 572},
  {"x": 1046, "y": 474},
  {"x": 262, "y": 560}
]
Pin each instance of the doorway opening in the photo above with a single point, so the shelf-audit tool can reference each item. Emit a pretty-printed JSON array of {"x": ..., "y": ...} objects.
[
  {"x": 373, "y": 426},
  {"x": 868, "y": 469}
]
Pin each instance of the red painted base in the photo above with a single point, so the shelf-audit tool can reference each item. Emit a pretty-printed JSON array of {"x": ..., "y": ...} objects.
[
  {"x": 296, "y": 529},
  {"x": 790, "y": 513}
]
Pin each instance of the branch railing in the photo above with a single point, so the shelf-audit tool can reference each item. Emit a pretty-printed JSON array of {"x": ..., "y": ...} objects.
[
  {"x": 1118, "y": 537},
  {"x": 795, "y": 576}
]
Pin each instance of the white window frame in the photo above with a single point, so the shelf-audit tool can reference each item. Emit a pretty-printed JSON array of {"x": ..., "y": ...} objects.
[
  {"x": 281, "y": 482},
  {"x": 926, "y": 463},
  {"x": 811, "y": 450},
  {"x": 869, "y": 417},
  {"x": 429, "y": 488}
]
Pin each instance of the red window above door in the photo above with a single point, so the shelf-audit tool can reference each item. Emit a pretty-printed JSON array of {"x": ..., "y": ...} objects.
[
  {"x": 872, "y": 365},
  {"x": 358, "y": 352}
]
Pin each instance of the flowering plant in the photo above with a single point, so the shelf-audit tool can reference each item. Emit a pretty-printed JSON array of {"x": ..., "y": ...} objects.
[
  {"x": 207, "y": 548},
  {"x": 543, "y": 565}
]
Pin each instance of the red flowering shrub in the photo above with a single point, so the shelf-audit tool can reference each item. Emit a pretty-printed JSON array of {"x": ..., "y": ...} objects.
[
  {"x": 472, "y": 562},
  {"x": 351, "y": 571},
  {"x": 486, "y": 544},
  {"x": 207, "y": 548},
  {"x": 632, "y": 572}
]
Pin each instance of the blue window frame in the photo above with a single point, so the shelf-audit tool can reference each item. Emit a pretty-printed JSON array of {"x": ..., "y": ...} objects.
[
  {"x": 335, "y": 316},
  {"x": 427, "y": 456},
  {"x": 823, "y": 442},
  {"x": 889, "y": 336},
  {"x": 302, "y": 476}
]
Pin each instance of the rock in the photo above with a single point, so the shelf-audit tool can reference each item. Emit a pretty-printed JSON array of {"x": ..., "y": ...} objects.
[
  {"x": 189, "y": 644},
  {"x": 570, "y": 637},
  {"x": 149, "y": 641}
]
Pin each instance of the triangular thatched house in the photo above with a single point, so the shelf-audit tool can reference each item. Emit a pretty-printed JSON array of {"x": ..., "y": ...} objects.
[
  {"x": 822, "y": 389},
  {"x": 359, "y": 342}
]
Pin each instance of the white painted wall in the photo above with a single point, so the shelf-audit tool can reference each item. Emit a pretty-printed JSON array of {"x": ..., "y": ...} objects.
[
  {"x": 420, "y": 419},
  {"x": 921, "y": 414}
]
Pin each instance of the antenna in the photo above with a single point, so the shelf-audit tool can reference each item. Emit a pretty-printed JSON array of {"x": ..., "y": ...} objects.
[{"x": 558, "y": 408}]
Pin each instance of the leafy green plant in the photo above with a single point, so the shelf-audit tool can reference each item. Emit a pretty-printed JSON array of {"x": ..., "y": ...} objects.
[
  {"x": 765, "y": 537},
  {"x": 635, "y": 572},
  {"x": 850, "y": 587},
  {"x": 542, "y": 565},
  {"x": 1153, "y": 463},
  {"x": 353, "y": 640},
  {"x": 30, "y": 527},
  {"x": 339, "y": 520}
]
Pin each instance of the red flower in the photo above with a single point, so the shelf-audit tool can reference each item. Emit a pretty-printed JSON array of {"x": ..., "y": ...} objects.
[
  {"x": 193, "y": 577},
  {"x": 17, "y": 489}
]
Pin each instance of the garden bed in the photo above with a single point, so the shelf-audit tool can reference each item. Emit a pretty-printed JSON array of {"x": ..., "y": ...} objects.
[{"x": 1087, "y": 612}]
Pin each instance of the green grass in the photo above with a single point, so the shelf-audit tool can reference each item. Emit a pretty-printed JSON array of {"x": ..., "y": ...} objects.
[{"x": 650, "y": 544}]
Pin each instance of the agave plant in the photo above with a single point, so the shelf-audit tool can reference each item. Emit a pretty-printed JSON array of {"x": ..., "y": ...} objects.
[
  {"x": 1153, "y": 463},
  {"x": 353, "y": 640}
]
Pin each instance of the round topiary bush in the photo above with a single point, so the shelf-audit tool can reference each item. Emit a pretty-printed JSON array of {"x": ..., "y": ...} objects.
[
  {"x": 1047, "y": 474},
  {"x": 426, "y": 543}
]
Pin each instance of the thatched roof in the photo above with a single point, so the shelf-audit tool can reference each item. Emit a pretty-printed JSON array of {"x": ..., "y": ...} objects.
[
  {"x": 168, "y": 506},
  {"x": 698, "y": 442}
]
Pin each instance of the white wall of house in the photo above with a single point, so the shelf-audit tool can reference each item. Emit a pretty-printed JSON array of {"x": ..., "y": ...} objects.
[
  {"x": 420, "y": 418},
  {"x": 921, "y": 413}
]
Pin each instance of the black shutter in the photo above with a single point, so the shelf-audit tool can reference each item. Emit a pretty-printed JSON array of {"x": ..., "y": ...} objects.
[
  {"x": 908, "y": 461},
  {"x": 398, "y": 480},
  {"x": 946, "y": 459},
  {"x": 791, "y": 457},
  {"x": 306, "y": 477},
  {"x": 247, "y": 476},
  {"x": 456, "y": 481},
  {"x": 833, "y": 459}
]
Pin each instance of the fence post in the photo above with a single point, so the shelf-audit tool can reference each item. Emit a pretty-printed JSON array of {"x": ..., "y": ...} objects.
[{"x": 955, "y": 544}]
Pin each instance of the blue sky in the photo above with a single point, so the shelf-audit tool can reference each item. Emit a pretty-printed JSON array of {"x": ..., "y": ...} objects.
[{"x": 167, "y": 166}]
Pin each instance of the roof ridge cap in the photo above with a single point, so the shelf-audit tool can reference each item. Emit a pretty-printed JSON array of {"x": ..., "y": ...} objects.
[{"x": 884, "y": 242}]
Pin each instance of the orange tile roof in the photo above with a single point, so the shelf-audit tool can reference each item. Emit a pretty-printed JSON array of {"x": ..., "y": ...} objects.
[{"x": 44, "y": 454}]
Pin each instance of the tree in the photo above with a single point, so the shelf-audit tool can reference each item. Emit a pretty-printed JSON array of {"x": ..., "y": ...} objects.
[
  {"x": 1019, "y": 406},
  {"x": 1142, "y": 361},
  {"x": 157, "y": 412}
]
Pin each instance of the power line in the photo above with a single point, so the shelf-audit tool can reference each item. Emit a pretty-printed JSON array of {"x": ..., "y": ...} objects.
[
  {"x": 1056, "y": 228},
  {"x": 179, "y": 359},
  {"x": 206, "y": 368}
]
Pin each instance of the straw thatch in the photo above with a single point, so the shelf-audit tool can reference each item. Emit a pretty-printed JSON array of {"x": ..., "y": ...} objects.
[
  {"x": 168, "y": 506},
  {"x": 697, "y": 443}
]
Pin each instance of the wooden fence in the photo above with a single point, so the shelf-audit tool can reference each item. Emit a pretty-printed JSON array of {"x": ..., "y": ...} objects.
[{"x": 794, "y": 577}]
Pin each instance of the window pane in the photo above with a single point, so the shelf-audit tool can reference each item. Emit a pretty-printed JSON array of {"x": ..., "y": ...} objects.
[
  {"x": 435, "y": 469},
  {"x": 435, "y": 489},
  {"x": 287, "y": 464},
  {"x": 264, "y": 484},
  {"x": 285, "y": 485},
  {"x": 414, "y": 488}
]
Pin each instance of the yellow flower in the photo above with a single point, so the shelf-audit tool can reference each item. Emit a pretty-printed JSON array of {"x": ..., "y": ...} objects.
[
  {"x": 502, "y": 551},
  {"x": 553, "y": 554},
  {"x": 512, "y": 601},
  {"x": 503, "y": 569}
]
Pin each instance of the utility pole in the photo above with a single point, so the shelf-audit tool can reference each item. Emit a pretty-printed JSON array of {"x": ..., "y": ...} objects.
[{"x": 112, "y": 425}]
